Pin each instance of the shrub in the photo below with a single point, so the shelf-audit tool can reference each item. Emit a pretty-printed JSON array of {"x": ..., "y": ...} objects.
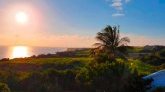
[
  {"x": 4, "y": 87},
  {"x": 162, "y": 53},
  {"x": 110, "y": 77},
  {"x": 50, "y": 80},
  {"x": 159, "y": 89}
]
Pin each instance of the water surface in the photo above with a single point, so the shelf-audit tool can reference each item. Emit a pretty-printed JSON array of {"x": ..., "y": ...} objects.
[{"x": 26, "y": 51}]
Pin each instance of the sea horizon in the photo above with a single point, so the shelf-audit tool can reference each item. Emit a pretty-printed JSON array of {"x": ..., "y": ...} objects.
[{"x": 22, "y": 51}]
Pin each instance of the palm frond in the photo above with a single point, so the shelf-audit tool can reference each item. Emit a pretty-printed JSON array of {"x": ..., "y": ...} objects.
[
  {"x": 124, "y": 41},
  {"x": 110, "y": 42},
  {"x": 97, "y": 44}
]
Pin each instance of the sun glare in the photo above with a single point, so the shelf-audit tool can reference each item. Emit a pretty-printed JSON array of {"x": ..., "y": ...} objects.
[
  {"x": 21, "y": 17},
  {"x": 20, "y": 52}
]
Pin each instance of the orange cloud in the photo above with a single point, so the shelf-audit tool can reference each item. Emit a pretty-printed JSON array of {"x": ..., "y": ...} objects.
[
  {"x": 49, "y": 40},
  {"x": 140, "y": 40}
]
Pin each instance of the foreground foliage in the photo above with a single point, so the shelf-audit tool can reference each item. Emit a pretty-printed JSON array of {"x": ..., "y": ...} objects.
[
  {"x": 83, "y": 77},
  {"x": 108, "y": 71},
  {"x": 110, "y": 77},
  {"x": 4, "y": 87}
]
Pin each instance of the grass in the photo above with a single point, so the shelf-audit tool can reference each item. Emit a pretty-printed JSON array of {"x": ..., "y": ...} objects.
[
  {"x": 135, "y": 49},
  {"x": 38, "y": 64},
  {"x": 49, "y": 60},
  {"x": 142, "y": 68},
  {"x": 83, "y": 52}
]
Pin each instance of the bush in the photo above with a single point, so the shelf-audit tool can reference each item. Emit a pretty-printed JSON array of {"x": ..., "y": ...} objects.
[
  {"x": 159, "y": 89},
  {"x": 49, "y": 80},
  {"x": 4, "y": 87},
  {"x": 162, "y": 53},
  {"x": 155, "y": 60},
  {"x": 110, "y": 77}
]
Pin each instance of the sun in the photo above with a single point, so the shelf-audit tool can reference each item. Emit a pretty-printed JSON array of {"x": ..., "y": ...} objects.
[
  {"x": 21, "y": 17},
  {"x": 20, "y": 52}
]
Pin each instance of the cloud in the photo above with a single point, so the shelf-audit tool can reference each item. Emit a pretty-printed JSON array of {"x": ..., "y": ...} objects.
[
  {"x": 127, "y": 1},
  {"x": 69, "y": 41},
  {"x": 118, "y": 14},
  {"x": 118, "y": 6},
  {"x": 88, "y": 41},
  {"x": 76, "y": 40},
  {"x": 50, "y": 40},
  {"x": 141, "y": 40}
]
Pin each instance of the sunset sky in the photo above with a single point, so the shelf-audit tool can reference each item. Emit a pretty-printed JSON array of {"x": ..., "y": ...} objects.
[{"x": 74, "y": 23}]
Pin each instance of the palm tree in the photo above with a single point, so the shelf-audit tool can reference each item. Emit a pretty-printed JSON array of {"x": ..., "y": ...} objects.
[{"x": 110, "y": 43}]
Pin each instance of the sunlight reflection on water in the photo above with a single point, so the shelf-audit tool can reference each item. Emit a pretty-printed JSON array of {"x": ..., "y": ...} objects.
[
  {"x": 26, "y": 51},
  {"x": 20, "y": 52}
]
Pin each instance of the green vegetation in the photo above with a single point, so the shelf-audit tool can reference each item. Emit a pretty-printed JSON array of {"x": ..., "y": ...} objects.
[
  {"x": 157, "y": 57},
  {"x": 110, "y": 44},
  {"x": 4, "y": 87},
  {"x": 74, "y": 74},
  {"x": 141, "y": 67},
  {"x": 110, "y": 69},
  {"x": 50, "y": 60},
  {"x": 160, "y": 89},
  {"x": 135, "y": 49}
]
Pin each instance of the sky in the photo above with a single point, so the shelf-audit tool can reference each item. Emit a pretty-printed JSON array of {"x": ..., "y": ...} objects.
[{"x": 74, "y": 23}]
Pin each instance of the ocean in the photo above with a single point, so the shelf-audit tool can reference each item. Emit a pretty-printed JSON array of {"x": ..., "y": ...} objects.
[{"x": 26, "y": 51}]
